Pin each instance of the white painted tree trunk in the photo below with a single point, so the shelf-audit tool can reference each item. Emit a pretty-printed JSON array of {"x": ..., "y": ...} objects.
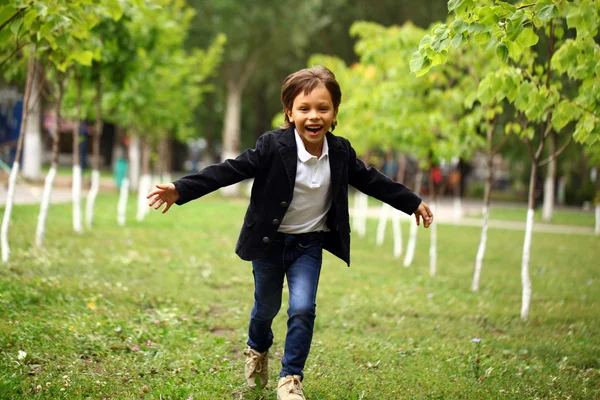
[
  {"x": 481, "y": 250},
  {"x": 411, "y": 246},
  {"x": 40, "y": 231},
  {"x": 361, "y": 202},
  {"x": 134, "y": 151},
  {"x": 122, "y": 206},
  {"x": 597, "y": 229},
  {"x": 457, "y": 208},
  {"x": 12, "y": 181},
  {"x": 91, "y": 198},
  {"x": 525, "y": 278},
  {"x": 383, "y": 217},
  {"x": 143, "y": 190},
  {"x": 76, "y": 195},
  {"x": 548, "y": 209},
  {"x": 397, "y": 231},
  {"x": 412, "y": 235},
  {"x": 232, "y": 129},
  {"x": 32, "y": 141},
  {"x": 433, "y": 243}
]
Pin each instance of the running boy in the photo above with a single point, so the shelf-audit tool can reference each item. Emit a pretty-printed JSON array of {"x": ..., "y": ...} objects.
[{"x": 298, "y": 207}]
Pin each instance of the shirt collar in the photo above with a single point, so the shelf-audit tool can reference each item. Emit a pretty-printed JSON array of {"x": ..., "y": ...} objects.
[{"x": 304, "y": 155}]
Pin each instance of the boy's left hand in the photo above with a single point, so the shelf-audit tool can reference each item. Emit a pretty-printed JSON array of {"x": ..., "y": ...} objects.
[{"x": 424, "y": 212}]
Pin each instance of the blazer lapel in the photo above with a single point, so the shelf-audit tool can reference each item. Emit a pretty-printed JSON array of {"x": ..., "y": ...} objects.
[
  {"x": 337, "y": 155},
  {"x": 289, "y": 155}
]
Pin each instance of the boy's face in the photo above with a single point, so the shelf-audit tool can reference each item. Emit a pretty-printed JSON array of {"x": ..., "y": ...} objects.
[{"x": 313, "y": 114}]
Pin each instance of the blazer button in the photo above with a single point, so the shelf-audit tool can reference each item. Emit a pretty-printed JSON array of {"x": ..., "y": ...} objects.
[
  {"x": 284, "y": 204},
  {"x": 275, "y": 222},
  {"x": 266, "y": 240}
]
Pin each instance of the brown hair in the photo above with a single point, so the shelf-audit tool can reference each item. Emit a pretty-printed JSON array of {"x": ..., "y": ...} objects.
[{"x": 306, "y": 80}]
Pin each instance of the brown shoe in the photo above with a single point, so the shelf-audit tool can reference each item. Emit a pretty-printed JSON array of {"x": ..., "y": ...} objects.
[
  {"x": 290, "y": 388},
  {"x": 257, "y": 365}
]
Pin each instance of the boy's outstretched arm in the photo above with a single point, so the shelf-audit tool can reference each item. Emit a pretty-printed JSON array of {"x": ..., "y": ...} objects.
[
  {"x": 424, "y": 212},
  {"x": 163, "y": 194}
]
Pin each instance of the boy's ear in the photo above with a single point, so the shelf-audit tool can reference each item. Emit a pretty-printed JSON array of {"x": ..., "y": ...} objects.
[{"x": 289, "y": 114}]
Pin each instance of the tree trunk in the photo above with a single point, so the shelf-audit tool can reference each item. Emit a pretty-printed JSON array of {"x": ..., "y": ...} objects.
[
  {"x": 12, "y": 180},
  {"x": 383, "y": 217},
  {"x": 145, "y": 182},
  {"x": 95, "y": 187},
  {"x": 134, "y": 155},
  {"x": 396, "y": 229},
  {"x": 433, "y": 229},
  {"x": 45, "y": 204},
  {"x": 385, "y": 211},
  {"x": 122, "y": 206},
  {"x": 32, "y": 145},
  {"x": 76, "y": 184},
  {"x": 412, "y": 239},
  {"x": 486, "y": 212},
  {"x": 525, "y": 277},
  {"x": 549, "y": 183},
  {"x": 231, "y": 129}
]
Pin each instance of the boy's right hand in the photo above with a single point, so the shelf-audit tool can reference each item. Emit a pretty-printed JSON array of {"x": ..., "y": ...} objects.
[{"x": 163, "y": 194}]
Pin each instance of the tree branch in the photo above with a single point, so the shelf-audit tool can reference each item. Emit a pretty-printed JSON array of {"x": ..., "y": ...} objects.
[
  {"x": 525, "y": 6},
  {"x": 19, "y": 48},
  {"x": 500, "y": 145},
  {"x": 530, "y": 148},
  {"x": 8, "y": 21},
  {"x": 558, "y": 153}
]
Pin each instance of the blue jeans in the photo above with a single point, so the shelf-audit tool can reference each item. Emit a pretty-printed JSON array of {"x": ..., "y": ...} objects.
[{"x": 297, "y": 257}]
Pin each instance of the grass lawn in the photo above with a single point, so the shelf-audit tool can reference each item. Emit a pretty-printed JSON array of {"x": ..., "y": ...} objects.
[
  {"x": 159, "y": 310},
  {"x": 560, "y": 216}
]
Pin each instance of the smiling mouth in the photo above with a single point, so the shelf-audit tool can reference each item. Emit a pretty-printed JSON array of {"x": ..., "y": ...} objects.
[{"x": 314, "y": 128}]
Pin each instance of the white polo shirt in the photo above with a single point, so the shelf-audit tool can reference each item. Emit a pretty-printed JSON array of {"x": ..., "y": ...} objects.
[{"x": 312, "y": 192}]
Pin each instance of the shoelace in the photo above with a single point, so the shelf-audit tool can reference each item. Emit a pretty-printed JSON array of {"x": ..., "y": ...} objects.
[
  {"x": 254, "y": 361},
  {"x": 295, "y": 387}
]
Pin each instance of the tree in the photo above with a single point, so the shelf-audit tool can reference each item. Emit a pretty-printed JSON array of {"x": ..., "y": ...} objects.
[{"x": 532, "y": 84}]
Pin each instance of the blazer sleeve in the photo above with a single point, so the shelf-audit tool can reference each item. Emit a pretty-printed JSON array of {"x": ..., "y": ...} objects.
[
  {"x": 219, "y": 175},
  {"x": 375, "y": 184}
]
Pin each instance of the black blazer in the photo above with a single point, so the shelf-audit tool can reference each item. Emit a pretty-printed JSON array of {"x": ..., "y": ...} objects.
[{"x": 272, "y": 164}]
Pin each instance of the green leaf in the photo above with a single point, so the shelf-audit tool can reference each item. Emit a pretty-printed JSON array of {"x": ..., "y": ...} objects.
[
  {"x": 507, "y": 6},
  {"x": 564, "y": 113},
  {"x": 502, "y": 51},
  {"x": 454, "y": 4},
  {"x": 528, "y": 38},
  {"x": 547, "y": 12},
  {"x": 45, "y": 29},
  {"x": 487, "y": 16},
  {"x": 515, "y": 50},
  {"x": 30, "y": 16},
  {"x": 419, "y": 62},
  {"x": 6, "y": 12},
  {"x": 84, "y": 57},
  {"x": 15, "y": 25},
  {"x": 482, "y": 38},
  {"x": 514, "y": 29},
  {"x": 458, "y": 40}
]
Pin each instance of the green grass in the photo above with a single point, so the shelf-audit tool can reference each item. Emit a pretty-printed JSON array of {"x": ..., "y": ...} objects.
[
  {"x": 159, "y": 310},
  {"x": 560, "y": 217},
  {"x": 87, "y": 173}
]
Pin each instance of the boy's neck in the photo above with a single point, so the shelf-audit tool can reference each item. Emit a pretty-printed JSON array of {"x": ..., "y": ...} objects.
[{"x": 316, "y": 149}]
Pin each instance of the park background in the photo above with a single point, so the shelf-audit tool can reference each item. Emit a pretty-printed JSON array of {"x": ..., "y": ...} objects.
[{"x": 488, "y": 109}]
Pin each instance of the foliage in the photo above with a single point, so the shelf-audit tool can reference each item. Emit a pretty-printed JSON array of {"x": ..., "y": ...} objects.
[{"x": 512, "y": 31}]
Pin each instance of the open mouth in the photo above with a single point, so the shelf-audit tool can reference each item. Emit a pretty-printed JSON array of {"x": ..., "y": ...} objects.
[{"x": 314, "y": 129}]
